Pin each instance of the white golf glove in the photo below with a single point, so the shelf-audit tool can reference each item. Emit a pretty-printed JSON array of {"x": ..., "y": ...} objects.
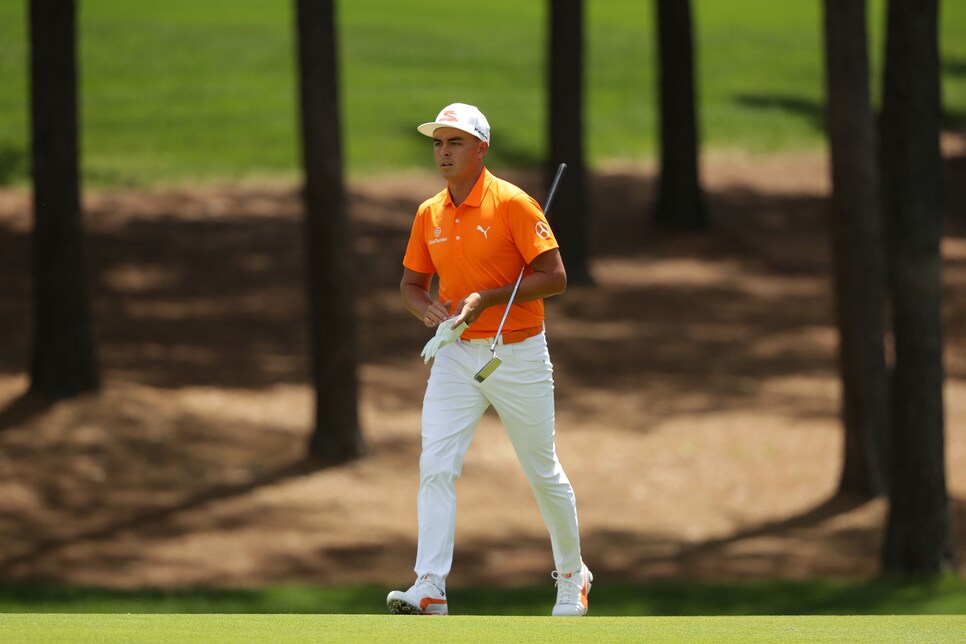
[{"x": 445, "y": 334}]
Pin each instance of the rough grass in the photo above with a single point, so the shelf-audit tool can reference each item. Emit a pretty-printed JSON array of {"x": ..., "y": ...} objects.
[{"x": 186, "y": 91}]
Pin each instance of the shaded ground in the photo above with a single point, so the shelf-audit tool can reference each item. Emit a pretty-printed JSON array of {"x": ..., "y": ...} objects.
[{"x": 697, "y": 397}]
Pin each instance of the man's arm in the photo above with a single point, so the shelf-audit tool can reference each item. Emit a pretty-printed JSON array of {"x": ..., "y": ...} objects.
[
  {"x": 414, "y": 289},
  {"x": 547, "y": 279}
]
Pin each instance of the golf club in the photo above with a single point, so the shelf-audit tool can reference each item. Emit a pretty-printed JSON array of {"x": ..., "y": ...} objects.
[{"x": 495, "y": 361}]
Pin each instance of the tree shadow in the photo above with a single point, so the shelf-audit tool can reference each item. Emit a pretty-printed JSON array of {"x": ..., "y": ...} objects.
[
  {"x": 206, "y": 288},
  {"x": 953, "y": 66},
  {"x": 202, "y": 290},
  {"x": 771, "y": 550},
  {"x": 814, "y": 111},
  {"x": 45, "y": 547},
  {"x": 13, "y": 164},
  {"x": 810, "y": 110},
  {"x": 22, "y": 408},
  {"x": 953, "y": 120},
  {"x": 824, "y": 511}
]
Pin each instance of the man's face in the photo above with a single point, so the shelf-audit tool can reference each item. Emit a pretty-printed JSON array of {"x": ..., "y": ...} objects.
[{"x": 459, "y": 155}]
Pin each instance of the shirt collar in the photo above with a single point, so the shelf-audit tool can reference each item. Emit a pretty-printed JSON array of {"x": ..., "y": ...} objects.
[{"x": 475, "y": 198}]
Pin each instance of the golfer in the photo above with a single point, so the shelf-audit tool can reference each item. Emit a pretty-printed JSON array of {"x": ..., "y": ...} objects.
[{"x": 477, "y": 235}]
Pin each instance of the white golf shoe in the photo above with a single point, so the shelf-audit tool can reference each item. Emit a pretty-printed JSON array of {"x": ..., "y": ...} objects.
[
  {"x": 424, "y": 598},
  {"x": 572, "y": 591}
]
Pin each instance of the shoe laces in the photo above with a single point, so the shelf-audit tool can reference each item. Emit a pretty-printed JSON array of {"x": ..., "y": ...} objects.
[
  {"x": 568, "y": 588},
  {"x": 427, "y": 586}
]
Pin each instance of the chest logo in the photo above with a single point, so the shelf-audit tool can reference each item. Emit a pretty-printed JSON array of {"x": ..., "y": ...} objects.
[
  {"x": 437, "y": 232},
  {"x": 542, "y": 230},
  {"x": 485, "y": 231}
]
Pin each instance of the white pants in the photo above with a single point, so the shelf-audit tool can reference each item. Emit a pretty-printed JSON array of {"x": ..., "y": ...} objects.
[{"x": 521, "y": 391}]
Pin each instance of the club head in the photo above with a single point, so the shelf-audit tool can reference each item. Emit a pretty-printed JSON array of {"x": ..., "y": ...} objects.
[{"x": 487, "y": 369}]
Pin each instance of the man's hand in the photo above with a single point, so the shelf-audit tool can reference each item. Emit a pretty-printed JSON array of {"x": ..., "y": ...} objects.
[
  {"x": 469, "y": 309},
  {"x": 436, "y": 312}
]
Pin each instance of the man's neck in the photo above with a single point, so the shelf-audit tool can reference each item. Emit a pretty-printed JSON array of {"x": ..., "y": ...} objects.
[{"x": 458, "y": 192}]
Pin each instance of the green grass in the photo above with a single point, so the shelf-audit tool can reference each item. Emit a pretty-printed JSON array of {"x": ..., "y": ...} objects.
[
  {"x": 382, "y": 628},
  {"x": 883, "y": 610},
  {"x": 183, "y": 91},
  {"x": 942, "y": 595}
]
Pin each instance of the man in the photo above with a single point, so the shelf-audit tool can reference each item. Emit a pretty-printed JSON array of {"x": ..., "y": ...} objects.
[{"x": 477, "y": 235}]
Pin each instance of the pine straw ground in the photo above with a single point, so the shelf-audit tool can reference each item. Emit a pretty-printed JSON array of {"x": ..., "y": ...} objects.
[{"x": 696, "y": 382}]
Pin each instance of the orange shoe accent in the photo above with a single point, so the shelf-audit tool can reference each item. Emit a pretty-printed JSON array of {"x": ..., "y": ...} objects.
[
  {"x": 426, "y": 602},
  {"x": 583, "y": 590}
]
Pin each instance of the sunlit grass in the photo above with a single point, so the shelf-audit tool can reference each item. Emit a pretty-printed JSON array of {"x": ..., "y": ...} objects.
[
  {"x": 939, "y": 595},
  {"x": 370, "y": 628},
  {"x": 183, "y": 91}
]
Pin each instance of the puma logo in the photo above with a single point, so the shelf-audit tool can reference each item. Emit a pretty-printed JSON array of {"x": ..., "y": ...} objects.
[{"x": 485, "y": 235}]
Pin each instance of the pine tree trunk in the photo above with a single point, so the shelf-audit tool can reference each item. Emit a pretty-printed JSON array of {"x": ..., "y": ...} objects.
[
  {"x": 917, "y": 530},
  {"x": 337, "y": 437},
  {"x": 858, "y": 251},
  {"x": 570, "y": 208},
  {"x": 64, "y": 360},
  {"x": 680, "y": 202}
]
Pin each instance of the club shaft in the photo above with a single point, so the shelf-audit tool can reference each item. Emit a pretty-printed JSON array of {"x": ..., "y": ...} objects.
[{"x": 546, "y": 213}]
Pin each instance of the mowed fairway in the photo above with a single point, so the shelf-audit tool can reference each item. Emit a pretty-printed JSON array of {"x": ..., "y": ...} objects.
[{"x": 369, "y": 628}]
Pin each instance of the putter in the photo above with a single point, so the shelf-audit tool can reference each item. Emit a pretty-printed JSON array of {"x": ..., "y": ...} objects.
[{"x": 495, "y": 361}]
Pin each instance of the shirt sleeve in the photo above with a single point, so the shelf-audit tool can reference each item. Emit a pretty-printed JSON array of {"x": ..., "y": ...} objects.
[
  {"x": 531, "y": 231},
  {"x": 417, "y": 256}
]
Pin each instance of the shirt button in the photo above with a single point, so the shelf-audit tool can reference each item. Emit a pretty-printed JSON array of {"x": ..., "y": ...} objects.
[
  {"x": 457, "y": 221},
  {"x": 457, "y": 238}
]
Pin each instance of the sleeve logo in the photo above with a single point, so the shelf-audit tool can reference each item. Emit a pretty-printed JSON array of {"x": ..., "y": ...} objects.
[{"x": 542, "y": 230}]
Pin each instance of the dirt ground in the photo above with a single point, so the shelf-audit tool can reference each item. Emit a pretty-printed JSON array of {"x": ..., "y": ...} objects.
[{"x": 697, "y": 397}]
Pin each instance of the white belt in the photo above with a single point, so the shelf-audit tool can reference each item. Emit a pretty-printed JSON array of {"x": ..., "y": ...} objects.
[
  {"x": 509, "y": 337},
  {"x": 483, "y": 341}
]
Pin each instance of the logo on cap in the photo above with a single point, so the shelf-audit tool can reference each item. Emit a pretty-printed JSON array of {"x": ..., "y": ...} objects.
[{"x": 449, "y": 115}]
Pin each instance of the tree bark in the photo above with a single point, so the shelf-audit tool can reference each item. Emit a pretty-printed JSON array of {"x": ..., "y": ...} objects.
[
  {"x": 858, "y": 251},
  {"x": 64, "y": 361},
  {"x": 680, "y": 202},
  {"x": 566, "y": 65},
  {"x": 917, "y": 529},
  {"x": 337, "y": 437}
]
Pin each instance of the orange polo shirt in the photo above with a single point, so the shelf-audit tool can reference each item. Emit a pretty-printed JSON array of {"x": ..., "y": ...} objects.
[{"x": 481, "y": 244}]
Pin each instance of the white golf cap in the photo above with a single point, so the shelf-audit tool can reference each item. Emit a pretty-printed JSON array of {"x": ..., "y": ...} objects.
[{"x": 462, "y": 117}]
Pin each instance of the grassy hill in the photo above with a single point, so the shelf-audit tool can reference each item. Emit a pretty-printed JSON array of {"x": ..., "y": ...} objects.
[{"x": 187, "y": 91}]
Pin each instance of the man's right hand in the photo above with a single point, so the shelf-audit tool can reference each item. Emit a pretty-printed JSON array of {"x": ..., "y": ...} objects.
[
  {"x": 470, "y": 308},
  {"x": 436, "y": 312}
]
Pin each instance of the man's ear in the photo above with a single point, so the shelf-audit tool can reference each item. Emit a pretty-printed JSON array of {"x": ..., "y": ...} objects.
[{"x": 484, "y": 147}]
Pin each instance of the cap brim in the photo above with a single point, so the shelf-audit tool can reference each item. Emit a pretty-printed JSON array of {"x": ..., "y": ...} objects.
[{"x": 429, "y": 129}]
